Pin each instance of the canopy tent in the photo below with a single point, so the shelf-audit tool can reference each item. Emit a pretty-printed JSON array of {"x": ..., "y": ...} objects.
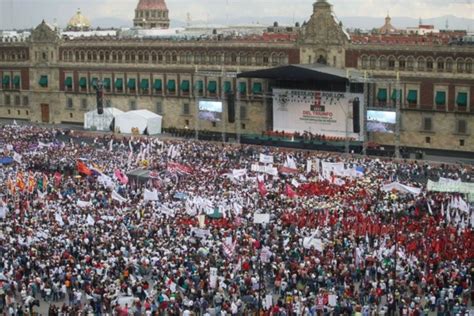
[
  {"x": 143, "y": 120},
  {"x": 100, "y": 122},
  {"x": 319, "y": 72},
  {"x": 139, "y": 175}
]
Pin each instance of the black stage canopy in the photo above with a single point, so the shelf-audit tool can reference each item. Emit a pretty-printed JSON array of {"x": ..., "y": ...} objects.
[{"x": 312, "y": 72}]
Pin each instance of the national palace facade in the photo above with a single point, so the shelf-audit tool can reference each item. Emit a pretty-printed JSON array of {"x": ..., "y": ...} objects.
[{"x": 51, "y": 79}]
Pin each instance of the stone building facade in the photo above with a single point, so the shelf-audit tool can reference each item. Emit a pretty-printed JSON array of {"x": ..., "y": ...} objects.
[{"x": 51, "y": 80}]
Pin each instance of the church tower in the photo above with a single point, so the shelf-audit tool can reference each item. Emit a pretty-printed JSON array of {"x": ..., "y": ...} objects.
[
  {"x": 151, "y": 14},
  {"x": 323, "y": 38}
]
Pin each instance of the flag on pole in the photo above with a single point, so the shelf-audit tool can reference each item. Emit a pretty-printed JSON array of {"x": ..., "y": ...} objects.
[
  {"x": 82, "y": 168},
  {"x": 262, "y": 189},
  {"x": 118, "y": 197},
  {"x": 289, "y": 192},
  {"x": 17, "y": 157},
  {"x": 122, "y": 177}
]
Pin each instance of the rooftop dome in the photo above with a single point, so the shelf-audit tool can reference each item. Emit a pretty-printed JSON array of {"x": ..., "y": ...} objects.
[
  {"x": 78, "y": 22},
  {"x": 152, "y": 5}
]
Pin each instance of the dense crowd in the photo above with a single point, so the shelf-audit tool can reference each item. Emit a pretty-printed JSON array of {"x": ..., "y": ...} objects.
[{"x": 211, "y": 230}]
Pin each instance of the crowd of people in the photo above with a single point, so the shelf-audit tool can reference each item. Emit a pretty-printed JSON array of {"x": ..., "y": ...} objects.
[{"x": 224, "y": 229}]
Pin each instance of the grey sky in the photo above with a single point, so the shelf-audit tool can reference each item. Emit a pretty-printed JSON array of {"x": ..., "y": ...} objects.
[{"x": 28, "y": 13}]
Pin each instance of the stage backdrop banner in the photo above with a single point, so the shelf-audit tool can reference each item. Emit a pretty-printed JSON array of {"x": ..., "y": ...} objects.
[{"x": 317, "y": 112}]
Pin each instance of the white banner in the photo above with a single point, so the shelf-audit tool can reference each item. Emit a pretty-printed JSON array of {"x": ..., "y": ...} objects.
[
  {"x": 317, "y": 112},
  {"x": 261, "y": 218},
  {"x": 213, "y": 277},
  {"x": 269, "y": 169},
  {"x": 266, "y": 159},
  {"x": 150, "y": 195},
  {"x": 237, "y": 173}
]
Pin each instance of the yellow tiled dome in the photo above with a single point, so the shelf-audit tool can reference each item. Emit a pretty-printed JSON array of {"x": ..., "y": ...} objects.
[{"x": 78, "y": 21}]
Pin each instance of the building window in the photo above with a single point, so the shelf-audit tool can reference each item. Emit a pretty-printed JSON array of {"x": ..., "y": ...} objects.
[
  {"x": 27, "y": 112},
  {"x": 427, "y": 124},
  {"x": 461, "y": 100},
  {"x": 449, "y": 66},
  {"x": 17, "y": 100},
  {"x": 462, "y": 127},
  {"x": 391, "y": 64},
  {"x": 429, "y": 65},
  {"x": 461, "y": 142},
  {"x": 186, "y": 123},
  {"x": 18, "y": 112},
  {"x": 26, "y": 101},
  {"x": 412, "y": 97},
  {"x": 383, "y": 62},
  {"x": 133, "y": 105},
  {"x": 71, "y": 115},
  {"x": 365, "y": 62},
  {"x": 186, "y": 109},
  {"x": 214, "y": 124},
  {"x": 243, "y": 113},
  {"x": 402, "y": 64},
  {"x": 9, "y": 112},
  {"x": 159, "y": 107},
  {"x": 460, "y": 65},
  {"x": 69, "y": 103},
  {"x": 440, "y": 98},
  {"x": 428, "y": 140},
  {"x": 440, "y": 65},
  {"x": 242, "y": 126},
  {"x": 373, "y": 62},
  {"x": 84, "y": 103},
  {"x": 7, "y": 99}
]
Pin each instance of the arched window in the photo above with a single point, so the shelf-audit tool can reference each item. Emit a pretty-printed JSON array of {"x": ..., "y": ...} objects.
[
  {"x": 282, "y": 59},
  {"x": 274, "y": 59},
  {"x": 410, "y": 63},
  {"x": 421, "y": 64},
  {"x": 469, "y": 66},
  {"x": 189, "y": 58},
  {"x": 429, "y": 64},
  {"x": 258, "y": 59},
  {"x": 440, "y": 64},
  {"x": 460, "y": 65},
  {"x": 120, "y": 57},
  {"x": 364, "y": 62},
  {"x": 449, "y": 65},
  {"x": 402, "y": 64},
  {"x": 391, "y": 63},
  {"x": 383, "y": 62},
  {"x": 373, "y": 62}
]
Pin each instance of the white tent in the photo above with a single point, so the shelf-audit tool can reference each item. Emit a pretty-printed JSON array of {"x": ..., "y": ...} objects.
[
  {"x": 141, "y": 119},
  {"x": 100, "y": 122}
]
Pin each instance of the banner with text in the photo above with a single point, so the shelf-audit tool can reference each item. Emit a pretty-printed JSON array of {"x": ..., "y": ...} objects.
[{"x": 317, "y": 112}]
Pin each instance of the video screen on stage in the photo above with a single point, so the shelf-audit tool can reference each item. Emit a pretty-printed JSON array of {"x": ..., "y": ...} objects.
[
  {"x": 210, "y": 110},
  {"x": 381, "y": 121}
]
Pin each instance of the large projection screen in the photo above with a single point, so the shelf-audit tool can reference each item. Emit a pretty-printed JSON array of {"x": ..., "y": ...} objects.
[
  {"x": 210, "y": 110},
  {"x": 381, "y": 121},
  {"x": 317, "y": 112}
]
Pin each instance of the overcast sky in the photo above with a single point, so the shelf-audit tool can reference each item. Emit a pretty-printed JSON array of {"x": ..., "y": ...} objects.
[{"x": 28, "y": 13}]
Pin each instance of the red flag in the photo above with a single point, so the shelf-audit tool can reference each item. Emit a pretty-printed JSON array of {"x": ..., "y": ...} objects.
[
  {"x": 57, "y": 178},
  {"x": 82, "y": 168},
  {"x": 262, "y": 189},
  {"x": 289, "y": 192}
]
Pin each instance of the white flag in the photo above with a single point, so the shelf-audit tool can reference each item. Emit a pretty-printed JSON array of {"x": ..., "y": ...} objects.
[
  {"x": 429, "y": 207},
  {"x": 90, "y": 220},
  {"x": 309, "y": 166},
  {"x": 111, "y": 145},
  {"x": 17, "y": 157},
  {"x": 118, "y": 197},
  {"x": 59, "y": 219},
  {"x": 83, "y": 204}
]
